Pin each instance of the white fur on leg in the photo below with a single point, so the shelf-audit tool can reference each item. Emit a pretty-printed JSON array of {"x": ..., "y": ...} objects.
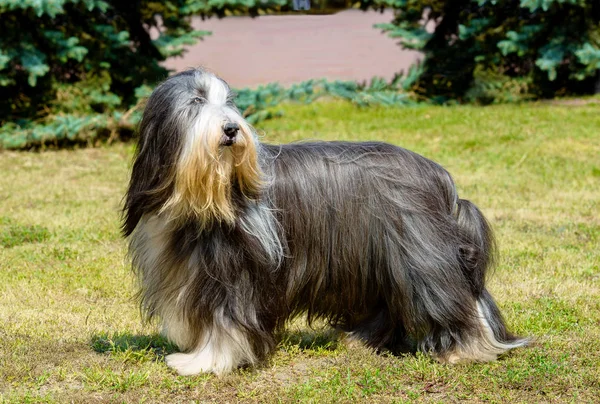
[
  {"x": 223, "y": 352},
  {"x": 484, "y": 347}
]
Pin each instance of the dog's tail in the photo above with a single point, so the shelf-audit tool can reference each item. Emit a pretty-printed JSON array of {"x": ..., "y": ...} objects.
[{"x": 478, "y": 253}]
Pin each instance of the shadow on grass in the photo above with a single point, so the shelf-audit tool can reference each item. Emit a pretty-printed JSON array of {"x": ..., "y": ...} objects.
[
  {"x": 308, "y": 339},
  {"x": 155, "y": 346}
]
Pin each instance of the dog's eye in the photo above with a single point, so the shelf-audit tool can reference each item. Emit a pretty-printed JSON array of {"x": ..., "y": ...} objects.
[{"x": 199, "y": 100}]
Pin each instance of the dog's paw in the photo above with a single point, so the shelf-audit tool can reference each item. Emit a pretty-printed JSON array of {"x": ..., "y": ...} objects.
[{"x": 189, "y": 364}]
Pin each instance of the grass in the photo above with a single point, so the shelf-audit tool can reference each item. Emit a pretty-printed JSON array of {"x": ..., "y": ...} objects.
[{"x": 70, "y": 331}]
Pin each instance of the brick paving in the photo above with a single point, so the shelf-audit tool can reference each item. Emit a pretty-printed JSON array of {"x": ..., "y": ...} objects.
[{"x": 291, "y": 48}]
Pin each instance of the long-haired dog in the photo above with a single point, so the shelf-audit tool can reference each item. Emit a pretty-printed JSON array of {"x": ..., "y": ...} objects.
[{"x": 231, "y": 237}]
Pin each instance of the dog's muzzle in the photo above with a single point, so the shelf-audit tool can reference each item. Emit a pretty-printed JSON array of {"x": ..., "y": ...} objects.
[{"x": 230, "y": 131}]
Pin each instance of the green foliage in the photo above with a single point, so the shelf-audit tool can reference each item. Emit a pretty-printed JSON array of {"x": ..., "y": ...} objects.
[
  {"x": 73, "y": 70},
  {"x": 45, "y": 44},
  {"x": 490, "y": 87},
  {"x": 222, "y": 8},
  {"x": 545, "y": 47},
  {"x": 259, "y": 104},
  {"x": 68, "y": 65},
  {"x": 255, "y": 104}
]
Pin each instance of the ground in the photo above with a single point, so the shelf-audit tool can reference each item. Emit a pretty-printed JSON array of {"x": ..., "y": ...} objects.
[{"x": 70, "y": 330}]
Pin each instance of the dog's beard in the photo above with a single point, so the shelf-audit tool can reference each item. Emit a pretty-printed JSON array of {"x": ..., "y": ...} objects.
[{"x": 208, "y": 169}]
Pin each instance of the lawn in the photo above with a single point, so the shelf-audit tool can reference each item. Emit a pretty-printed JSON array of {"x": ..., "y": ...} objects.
[{"x": 70, "y": 330}]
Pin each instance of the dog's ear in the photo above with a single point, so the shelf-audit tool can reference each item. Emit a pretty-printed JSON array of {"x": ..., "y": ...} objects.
[{"x": 152, "y": 174}]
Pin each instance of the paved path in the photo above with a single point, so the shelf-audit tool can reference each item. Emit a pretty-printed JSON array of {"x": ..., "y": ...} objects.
[{"x": 291, "y": 48}]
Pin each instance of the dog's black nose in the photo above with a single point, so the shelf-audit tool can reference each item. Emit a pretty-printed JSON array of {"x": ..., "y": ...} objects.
[{"x": 230, "y": 129}]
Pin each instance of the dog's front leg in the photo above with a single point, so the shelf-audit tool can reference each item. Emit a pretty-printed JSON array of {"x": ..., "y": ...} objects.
[{"x": 217, "y": 349}]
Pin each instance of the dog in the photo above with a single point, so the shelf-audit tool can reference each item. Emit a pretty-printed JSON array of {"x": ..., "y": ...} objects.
[{"x": 230, "y": 238}]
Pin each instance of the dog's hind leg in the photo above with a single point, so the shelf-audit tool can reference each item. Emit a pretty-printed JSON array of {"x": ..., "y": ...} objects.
[
  {"x": 380, "y": 332},
  {"x": 442, "y": 320},
  {"x": 451, "y": 314},
  {"x": 481, "y": 341}
]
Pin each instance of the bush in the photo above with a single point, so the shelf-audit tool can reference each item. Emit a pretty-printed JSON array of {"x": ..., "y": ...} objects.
[
  {"x": 255, "y": 104},
  {"x": 261, "y": 103},
  {"x": 70, "y": 69},
  {"x": 77, "y": 70},
  {"x": 525, "y": 48},
  {"x": 86, "y": 56}
]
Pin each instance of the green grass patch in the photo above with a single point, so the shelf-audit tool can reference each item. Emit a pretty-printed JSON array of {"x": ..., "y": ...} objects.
[
  {"x": 12, "y": 234},
  {"x": 70, "y": 330}
]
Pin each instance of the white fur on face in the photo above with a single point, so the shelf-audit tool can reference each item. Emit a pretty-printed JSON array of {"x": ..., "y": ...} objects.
[
  {"x": 207, "y": 129},
  {"x": 216, "y": 90},
  {"x": 206, "y": 167}
]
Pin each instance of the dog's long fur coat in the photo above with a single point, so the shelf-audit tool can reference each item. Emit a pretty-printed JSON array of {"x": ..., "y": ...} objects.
[{"x": 231, "y": 237}]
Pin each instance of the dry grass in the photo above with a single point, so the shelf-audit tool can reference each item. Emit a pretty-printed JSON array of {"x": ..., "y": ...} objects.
[{"x": 70, "y": 332}]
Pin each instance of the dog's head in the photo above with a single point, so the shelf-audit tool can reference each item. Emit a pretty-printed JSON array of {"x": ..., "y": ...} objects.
[{"x": 194, "y": 148}]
